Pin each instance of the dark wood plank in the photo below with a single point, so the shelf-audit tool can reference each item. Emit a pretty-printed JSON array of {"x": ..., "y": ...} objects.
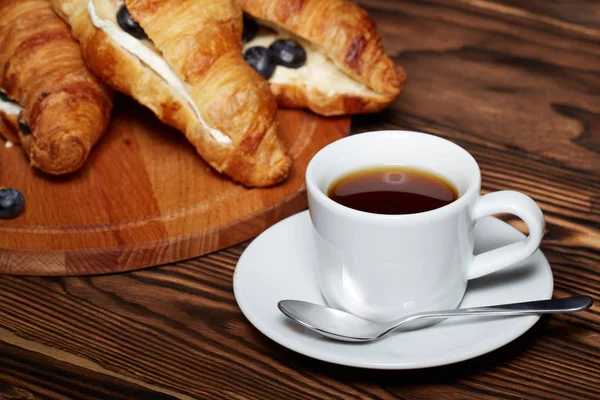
[
  {"x": 49, "y": 378},
  {"x": 517, "y": 83},
  {"x": 178, "y": 327},
  {"x": 482, "y": 78},
  {"x": 584, "y": 13}
]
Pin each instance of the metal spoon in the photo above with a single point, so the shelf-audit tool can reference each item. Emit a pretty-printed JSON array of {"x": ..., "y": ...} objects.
[{"x": 348, "y": 327}]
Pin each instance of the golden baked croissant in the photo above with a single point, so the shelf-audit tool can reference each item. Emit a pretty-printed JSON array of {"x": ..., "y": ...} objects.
[
  {"x": 62, "y": 109},
  {"x": 346, "y": 69},
  {"x": 190, "y": 72}
]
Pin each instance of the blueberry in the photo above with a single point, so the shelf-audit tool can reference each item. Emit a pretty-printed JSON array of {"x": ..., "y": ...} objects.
[
  {"x": 261, "y": 59},
  {"x": 129, "y": 25},
  {"x": 22, "y": 125},
  {"x": 288, "y": 53},
  {"x": 250, "y": 28},
  {"x": 12, "y": 203},
  {"x": 4, "y": 96}
]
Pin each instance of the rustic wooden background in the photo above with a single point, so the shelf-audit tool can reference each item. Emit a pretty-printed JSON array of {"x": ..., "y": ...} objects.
[{"x": 515, "y": 82}]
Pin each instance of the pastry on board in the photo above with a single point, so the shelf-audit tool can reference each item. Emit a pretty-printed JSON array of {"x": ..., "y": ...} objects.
[
  {"x": 183, "y": 60},
  {"x": 345, "y": 71},
  {"x": 50, "y": 102}
]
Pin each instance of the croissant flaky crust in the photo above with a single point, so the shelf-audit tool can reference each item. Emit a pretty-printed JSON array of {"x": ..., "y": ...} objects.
[
  {"x": 346, "y": 34},
  {"x": 201, "y": 42},
  {"x": 297, "y": 95},
  {"x": 66, "y": 108}
]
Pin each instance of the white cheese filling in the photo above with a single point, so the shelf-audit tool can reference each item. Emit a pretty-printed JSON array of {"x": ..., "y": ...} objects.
[
  {"x": 318, "y": 72},
  {"x": 9, "y": 107},
  {"x": 104, "y": 16}
]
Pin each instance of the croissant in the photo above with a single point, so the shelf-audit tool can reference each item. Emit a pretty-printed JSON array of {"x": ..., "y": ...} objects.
[
  {"x": 186, "y": 66},
  {"x": 346, "y": 69},
  {"x": 50, "y": 102}
]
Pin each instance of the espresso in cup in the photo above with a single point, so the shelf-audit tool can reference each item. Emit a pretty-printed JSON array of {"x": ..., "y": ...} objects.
[{"x": 392, "y": 190}]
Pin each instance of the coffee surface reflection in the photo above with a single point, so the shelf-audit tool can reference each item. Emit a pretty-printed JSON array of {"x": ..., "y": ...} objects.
[{"x": 392, "y": 190}]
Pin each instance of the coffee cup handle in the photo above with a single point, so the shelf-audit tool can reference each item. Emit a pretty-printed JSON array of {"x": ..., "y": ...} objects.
[{"x": 515, "y": 203}]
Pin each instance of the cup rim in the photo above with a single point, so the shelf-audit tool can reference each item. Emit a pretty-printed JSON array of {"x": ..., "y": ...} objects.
[{"x": 473, "y": 188}]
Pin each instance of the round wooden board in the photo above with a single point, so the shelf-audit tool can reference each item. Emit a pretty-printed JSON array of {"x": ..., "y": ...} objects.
[{"x": 146, "y": 198}]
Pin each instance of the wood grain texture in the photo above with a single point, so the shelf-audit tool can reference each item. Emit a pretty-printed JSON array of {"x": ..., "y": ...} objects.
[
  {"x": 60, "y": 379},
  {"x": 518, "y": 85},
  {"x": 146, "y": 198}
]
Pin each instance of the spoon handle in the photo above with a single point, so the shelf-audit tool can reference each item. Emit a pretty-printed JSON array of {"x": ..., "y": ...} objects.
[{"x": 569, "y": 304}]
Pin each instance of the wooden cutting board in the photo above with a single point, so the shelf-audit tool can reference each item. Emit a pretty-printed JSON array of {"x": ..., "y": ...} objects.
[{"x": 145, "y": 198}]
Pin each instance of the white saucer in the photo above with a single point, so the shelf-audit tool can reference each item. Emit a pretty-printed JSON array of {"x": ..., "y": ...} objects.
[{"x": 280, "y": 264}]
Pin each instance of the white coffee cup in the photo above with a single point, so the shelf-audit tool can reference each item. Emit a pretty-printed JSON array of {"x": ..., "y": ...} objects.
[{"x": 381, "y": 267}]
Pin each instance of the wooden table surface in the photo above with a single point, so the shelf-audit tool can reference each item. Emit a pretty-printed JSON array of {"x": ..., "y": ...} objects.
[{"x": 515, "y": 82}]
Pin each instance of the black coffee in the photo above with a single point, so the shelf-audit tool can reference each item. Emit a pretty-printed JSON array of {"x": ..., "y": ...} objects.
[{"x": 392, "y": 190}]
